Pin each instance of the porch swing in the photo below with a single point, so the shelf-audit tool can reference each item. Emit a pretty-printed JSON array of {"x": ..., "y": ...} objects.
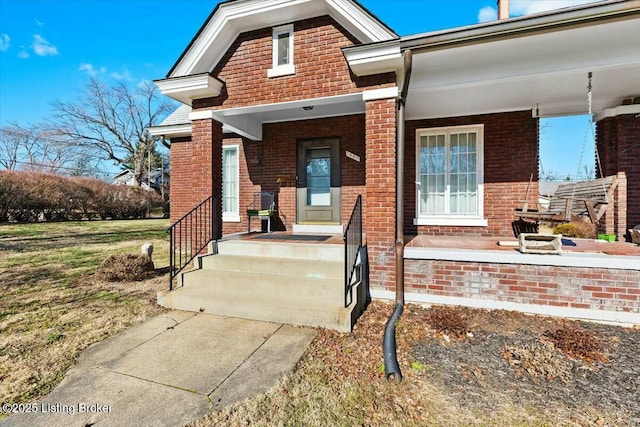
[{"x": 582, "y": 198}]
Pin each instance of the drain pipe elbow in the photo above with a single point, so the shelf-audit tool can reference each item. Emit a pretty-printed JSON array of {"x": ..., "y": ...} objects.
[{"x": 391, "y": 366}]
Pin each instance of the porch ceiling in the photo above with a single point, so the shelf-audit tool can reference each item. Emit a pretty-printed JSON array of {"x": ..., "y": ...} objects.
[
  {"x": 248, "y": 121},
  {"x": 546, "y": 72}
]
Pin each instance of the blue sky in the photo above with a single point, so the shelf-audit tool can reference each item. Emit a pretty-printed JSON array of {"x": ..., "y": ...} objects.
[{"x": 49, "y": 48}]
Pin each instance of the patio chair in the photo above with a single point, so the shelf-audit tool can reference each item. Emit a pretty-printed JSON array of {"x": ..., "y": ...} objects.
[{"x": 263, "y": 207}]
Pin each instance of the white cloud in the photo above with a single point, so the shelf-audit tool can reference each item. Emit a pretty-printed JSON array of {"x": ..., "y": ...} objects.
[
  {"x": 125, "y": 75},
  {"x": 527, "y": 7},
  {"x": 487, "y": 14},
  {"x": 23, "y": 54},
  {"x": 42, "y": 47},
  {"x": 91, "y": 70},
  {"x": 4, "y": 42},
  {"x": 38, "y": 22}
]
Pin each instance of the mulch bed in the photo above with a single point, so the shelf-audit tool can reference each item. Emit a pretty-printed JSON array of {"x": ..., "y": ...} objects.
[{"x": 531, "y": 361}]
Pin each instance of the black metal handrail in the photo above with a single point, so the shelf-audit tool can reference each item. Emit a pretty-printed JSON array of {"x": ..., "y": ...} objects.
[
  {"x": 352, "y": 246},
  {"x": 190, "y": 235}
]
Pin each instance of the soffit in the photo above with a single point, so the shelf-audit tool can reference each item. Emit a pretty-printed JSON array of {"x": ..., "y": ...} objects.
[{"x": 546, "y": 71}]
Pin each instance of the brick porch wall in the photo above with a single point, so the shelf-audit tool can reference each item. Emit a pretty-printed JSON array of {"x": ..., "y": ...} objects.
[
  {"x": 276, "y": 155},
  {"x": 618, "y": 140},
  {"x": 380, "y": 201},
  {"x": 510, "y": 157},
  {"x": 572, "y": 287}
]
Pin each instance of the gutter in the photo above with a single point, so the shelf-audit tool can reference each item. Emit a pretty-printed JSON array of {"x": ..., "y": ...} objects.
[
  {"x": 391, "y": 366},
  {"x": 613, "y": 10}
]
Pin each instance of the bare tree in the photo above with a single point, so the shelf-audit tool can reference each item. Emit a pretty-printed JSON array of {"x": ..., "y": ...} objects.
[
  {"x": 34, "y": 147},
  {"x": 10, "y": 142},
  {"x": 114, "y": 121}
]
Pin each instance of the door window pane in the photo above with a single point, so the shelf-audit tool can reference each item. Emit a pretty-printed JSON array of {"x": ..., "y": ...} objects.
[{"x": 319, "y": 177}]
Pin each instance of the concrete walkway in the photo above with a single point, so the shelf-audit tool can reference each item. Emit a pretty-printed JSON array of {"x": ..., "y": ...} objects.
[{"x": 169, "y": 371}]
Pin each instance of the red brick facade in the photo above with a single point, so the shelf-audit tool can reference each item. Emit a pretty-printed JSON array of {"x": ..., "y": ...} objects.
[
  {"x": 618, "y": 140},
  {"x": 321, "y": 68},
  {"x": 571, "y": 287},
  {"x": 380, "y": 201},
  {"x": 196, "y": 167},
  {"x": 262, "y": 162},
  {"x": 510, "y": 158},
  {"x": 510, "y": 154}
]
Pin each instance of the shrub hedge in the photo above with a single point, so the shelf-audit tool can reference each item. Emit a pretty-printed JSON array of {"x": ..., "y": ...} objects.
[{"x": 32, "y": 197}]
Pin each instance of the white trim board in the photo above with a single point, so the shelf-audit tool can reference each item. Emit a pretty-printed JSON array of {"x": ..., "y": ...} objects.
[
  {"x": 587, "y": 260},
  {"x": 618, "y": 317}
]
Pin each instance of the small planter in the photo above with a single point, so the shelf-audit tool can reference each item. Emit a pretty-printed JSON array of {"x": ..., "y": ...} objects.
[
  {"x": 607, "y": 237},
  {"x": 530, "y": 243}
]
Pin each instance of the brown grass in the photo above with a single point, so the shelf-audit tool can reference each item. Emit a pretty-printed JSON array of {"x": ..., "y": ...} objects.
[
  {"x": 53, "y": 306},
  {"x": 340, "y": 379}
]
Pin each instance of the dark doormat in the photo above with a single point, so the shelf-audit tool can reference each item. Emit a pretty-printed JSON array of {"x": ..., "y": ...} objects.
[{"x": 299, "y": 237}]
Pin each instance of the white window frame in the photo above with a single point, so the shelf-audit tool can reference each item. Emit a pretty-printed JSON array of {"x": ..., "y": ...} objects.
[
  {"x": 231, "y": 216},
  {"x": 283, "y": 69},
  {"x": 475, "y": 220}
]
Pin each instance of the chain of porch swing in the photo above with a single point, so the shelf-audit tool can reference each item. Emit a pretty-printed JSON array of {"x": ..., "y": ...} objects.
[{"x": 593, "y": 136}]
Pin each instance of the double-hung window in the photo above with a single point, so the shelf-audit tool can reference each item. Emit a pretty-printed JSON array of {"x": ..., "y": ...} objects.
[
  {"x": 230, "y": 184},
  {"x": 449, "y": 171},
  {"x": 282, "y": 52}
]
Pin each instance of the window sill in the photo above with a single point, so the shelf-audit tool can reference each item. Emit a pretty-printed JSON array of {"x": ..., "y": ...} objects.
[
  {"x": 452, "y": 221},
  {"x": 282, "y": 70},
  {"x": 230, "y": 217}
]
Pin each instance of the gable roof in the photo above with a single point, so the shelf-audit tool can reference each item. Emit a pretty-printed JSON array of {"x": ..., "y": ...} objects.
[{"x": 232, "y": 17}]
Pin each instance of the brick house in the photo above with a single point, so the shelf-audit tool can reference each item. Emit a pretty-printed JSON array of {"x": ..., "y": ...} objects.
[{"x": 319, "y": 102}]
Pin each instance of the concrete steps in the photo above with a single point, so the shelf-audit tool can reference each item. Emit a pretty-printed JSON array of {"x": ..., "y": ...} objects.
[{"x": 293, "y": 283}]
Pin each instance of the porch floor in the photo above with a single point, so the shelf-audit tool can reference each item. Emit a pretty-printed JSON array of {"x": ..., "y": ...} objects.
[
  {"x": 571, "y": 245},
  {"x": 289, "y": 237}
]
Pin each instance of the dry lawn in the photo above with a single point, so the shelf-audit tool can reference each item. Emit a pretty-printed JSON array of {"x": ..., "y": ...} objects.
[
  {"x": 461, "y": 367},
  {"x": 53, "y": 305}
]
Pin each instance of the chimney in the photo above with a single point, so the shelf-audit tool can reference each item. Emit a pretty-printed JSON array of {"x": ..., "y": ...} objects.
[{"x": 503, "y": 9}]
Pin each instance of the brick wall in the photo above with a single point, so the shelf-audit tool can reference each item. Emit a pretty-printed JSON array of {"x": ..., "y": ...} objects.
[
  {"x": 380, "y": 201},
  {"x": 618, "y": 140},
  {"x": 321, "y": 71},
  {"x": 585, "y": 288},
  {"x": 276, "y": 155},
  {"x": 321, "y": 68},
  {"x": 510, "y": 157},
  {"x": 196, "y": 168}
]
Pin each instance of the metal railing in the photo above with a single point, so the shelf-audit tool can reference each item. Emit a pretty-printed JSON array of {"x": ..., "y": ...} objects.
[
  {"x": 190, "y": 235},
  {"x": 352, "y": 246}
]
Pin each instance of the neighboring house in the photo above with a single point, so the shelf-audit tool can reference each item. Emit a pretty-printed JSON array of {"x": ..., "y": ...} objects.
[
  {"x": 306, "y": 99},
  {"x": 157, "y": 180}
]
